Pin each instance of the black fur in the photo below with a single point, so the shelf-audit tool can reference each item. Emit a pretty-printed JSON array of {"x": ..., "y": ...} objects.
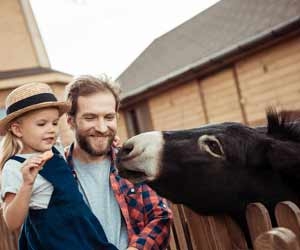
[{"x": 259, "y": 165}]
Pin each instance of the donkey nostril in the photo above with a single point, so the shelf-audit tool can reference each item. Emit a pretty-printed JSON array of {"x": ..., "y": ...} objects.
[{"x": 127, "y": 149}]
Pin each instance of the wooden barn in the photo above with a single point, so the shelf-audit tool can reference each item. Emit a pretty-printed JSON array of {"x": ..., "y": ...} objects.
[
  {"x": 23, "y": 55},
  {"x": 227, "y": 63},
  {"x": 24, "y": 59}
]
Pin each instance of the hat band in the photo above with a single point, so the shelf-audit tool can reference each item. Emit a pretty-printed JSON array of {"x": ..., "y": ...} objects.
[{"x": 29, "y": 101}]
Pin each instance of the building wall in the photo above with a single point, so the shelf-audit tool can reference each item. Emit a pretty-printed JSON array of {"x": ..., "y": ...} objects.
[
  {"x": 66, "y": 134},
  {"x": 177, "y": 108},
  {"x": 221, "y": 97},
  {"x": 16, "y": 44},
  {"x": 271, "y": 77},
  {"x": 238, "y": 93},
  {"x": 122, "y": 132}
]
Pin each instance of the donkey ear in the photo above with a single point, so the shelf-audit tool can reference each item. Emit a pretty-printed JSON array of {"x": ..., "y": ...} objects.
[{"x": 284, "y": 157}]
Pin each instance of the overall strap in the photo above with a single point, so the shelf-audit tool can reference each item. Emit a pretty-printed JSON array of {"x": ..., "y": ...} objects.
[
  {"x": 21, "y": 159},
  {"x": 70, "y": 161},
  {"x": 55, "y": 150},
  {"x": 17, "y": 158}
]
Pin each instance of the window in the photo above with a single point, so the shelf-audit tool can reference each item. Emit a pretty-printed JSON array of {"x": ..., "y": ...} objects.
[{"x": 138, "y": 119}]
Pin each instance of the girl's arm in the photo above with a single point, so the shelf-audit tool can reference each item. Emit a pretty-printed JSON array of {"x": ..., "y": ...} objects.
[{"x": 15, "y": 207}]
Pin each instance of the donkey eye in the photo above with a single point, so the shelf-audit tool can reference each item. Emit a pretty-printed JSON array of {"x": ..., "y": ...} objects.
[
  {"x": 214, "y": 147},
  {"x": 211, "y": 145}
]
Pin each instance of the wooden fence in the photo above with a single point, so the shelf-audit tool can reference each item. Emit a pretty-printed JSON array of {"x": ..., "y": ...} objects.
[{"x": 193, "y": 232}]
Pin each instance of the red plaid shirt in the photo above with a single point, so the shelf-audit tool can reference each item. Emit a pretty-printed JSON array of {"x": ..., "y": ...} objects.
[{"x": 147, "y": 215}]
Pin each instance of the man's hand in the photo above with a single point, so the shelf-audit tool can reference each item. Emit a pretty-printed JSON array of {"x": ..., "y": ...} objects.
[
  {"x": 132, "y": 248},
  {"x": 117, "y": 142}
]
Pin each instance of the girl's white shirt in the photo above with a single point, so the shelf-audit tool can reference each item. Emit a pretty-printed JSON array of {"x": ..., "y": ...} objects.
[{"x": 12, "y": 179}]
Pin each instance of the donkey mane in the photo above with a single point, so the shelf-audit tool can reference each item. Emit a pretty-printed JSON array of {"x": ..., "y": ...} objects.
[{"x": 282, "y": 127}]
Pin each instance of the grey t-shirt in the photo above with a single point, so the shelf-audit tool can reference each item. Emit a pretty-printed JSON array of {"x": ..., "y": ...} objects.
[{"x": 95, "y": 186}]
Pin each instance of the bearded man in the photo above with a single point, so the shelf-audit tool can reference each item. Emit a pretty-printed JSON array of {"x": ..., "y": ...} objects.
[{"x": 133, "y": 217}]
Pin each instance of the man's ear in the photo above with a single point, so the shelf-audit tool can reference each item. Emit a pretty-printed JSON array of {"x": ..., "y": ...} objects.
[
  {"x": 16, "y": 129},
  {"x": 71, "y": 121},
  {"x": 284, "y": 157}
]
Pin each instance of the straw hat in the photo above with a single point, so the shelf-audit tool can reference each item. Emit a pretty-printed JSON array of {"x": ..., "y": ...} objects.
[{"x": 30, "y": 97}]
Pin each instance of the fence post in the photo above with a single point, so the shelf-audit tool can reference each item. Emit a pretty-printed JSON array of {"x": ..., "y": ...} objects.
[
  {"x": 236, "y": 235},
  {"x": 288, "y": 215},
  {"x": 179, "y": 236},
  {"x": 277, "y": 239},
  {"x": 214, "y": 232},
  {"x": 258, "y": 220}
]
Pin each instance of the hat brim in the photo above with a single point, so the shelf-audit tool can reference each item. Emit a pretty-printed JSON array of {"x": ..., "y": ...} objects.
[{"x": 62, "y": 107}]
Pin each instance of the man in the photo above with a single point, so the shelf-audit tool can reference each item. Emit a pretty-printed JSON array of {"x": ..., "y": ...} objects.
[{"x": 134, "y": 217}]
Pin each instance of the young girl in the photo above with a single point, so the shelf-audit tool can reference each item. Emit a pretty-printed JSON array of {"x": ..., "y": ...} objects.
[{"x": 42, "y": 196}]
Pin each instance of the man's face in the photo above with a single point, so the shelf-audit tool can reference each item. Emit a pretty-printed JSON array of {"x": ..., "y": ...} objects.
[{"x": 95, "y": 123}]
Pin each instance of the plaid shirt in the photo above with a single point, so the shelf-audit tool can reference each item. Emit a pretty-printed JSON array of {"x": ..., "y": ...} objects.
[{"x": 148, "y": 216}]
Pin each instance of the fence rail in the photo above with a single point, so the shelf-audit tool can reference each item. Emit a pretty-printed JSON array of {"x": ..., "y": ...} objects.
[
  {"x": 191, "y": 231},
  {"x": 222, "y": 233}
]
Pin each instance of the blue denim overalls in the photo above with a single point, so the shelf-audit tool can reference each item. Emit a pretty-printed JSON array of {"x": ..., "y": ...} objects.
[{"x": 67, "y": 223}]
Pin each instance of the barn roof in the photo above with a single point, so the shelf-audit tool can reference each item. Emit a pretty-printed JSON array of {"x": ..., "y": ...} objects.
[
  {"x": 27, "y": 72},
  {"x": 213, "y": 33}
]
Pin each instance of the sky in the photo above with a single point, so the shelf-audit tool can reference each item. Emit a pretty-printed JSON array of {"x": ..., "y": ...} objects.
[{"x": 97, "y": 36}]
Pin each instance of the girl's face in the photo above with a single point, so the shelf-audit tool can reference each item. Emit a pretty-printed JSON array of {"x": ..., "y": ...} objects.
[{"x": 37, "y": 130}]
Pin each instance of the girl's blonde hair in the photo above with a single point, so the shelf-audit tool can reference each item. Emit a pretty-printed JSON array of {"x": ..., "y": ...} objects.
[{"x": 10, "y": 145}]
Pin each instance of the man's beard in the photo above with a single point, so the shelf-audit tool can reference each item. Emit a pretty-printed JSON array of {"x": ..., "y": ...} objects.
[{"x": 84, "y": 143}]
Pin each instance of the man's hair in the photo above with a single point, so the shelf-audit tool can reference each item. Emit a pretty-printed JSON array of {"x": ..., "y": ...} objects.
[{"x": 86, "y": 85}]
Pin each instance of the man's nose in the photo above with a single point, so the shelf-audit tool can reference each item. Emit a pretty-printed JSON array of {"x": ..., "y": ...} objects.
[{"x": 101, "y": 126}]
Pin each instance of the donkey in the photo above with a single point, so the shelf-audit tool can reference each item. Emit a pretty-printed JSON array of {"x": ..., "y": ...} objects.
[{"x": 219, "y": 168}]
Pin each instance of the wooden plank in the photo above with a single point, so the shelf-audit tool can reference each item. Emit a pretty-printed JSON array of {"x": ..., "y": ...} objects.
[
  {"x": 254, "y": 82},
  {"x": 236, "y": 235},
  {"x": 220, "y": 87},
  {"x": 258, "y": 220},
  {"x": 263, "y": 68},
  {"x": 208, "y": 232},
  {"x": 224, "y": 87},
  {"x": 270, "y": 55},
  {"x": 214, "y": 80},
  {"x": 173, "y": 243},
  {"x": 277, "y": 239},
  {"x": 179, "y": 230},
  {"x": 278, "y": 82},
  {"x": 288, "y": 215}
]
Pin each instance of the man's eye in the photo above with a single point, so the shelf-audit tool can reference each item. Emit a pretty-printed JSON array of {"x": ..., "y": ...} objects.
[
  {"x": 111, "y": 117},
  {"x": 89, "y": 118},
  {"x": 41, "y": 124}
]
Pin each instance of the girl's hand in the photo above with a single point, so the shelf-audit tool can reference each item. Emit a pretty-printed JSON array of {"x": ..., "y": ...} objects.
[{"x": 30, "y": 169}]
